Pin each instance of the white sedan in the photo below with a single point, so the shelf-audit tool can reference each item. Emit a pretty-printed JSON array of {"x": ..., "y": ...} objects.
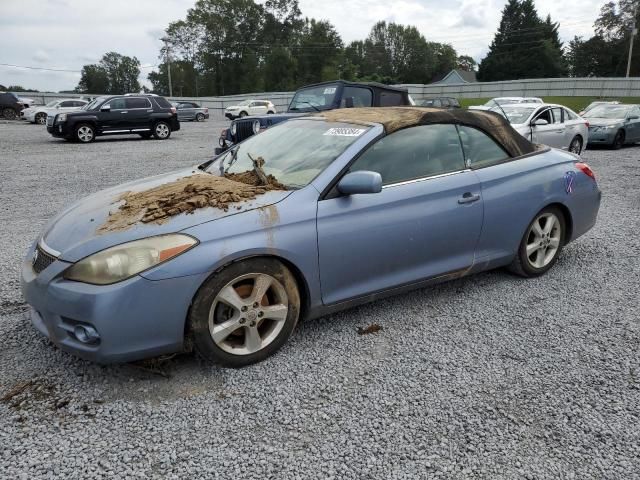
[
  {"x": 39, "y": 114},
  {"x": 495, "y": 102},
  {"x": 553, "y": 125}
]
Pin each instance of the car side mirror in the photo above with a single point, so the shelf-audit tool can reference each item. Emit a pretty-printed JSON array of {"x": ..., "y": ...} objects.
[
  {"x": 539, "y": 122},
  {"x": 105, "y": 108},
  {"x": 348, "y": 102},
  {"x": 360, "y": 182},
  {"x": 633, "y": 117}
]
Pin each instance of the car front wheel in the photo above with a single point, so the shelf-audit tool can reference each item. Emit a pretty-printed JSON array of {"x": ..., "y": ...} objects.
[
  {"x": 618, "y": 140},
  {"x": 9, "y": 113},
  {"x": 200, "y": 117},
  {"x": 41, "y": 118},
  {"x": 245, "y": 312},
  {"x": 85, "y": 133},
  {"x": 541, "y": 244},
  {"x": 161, "y": 130}
]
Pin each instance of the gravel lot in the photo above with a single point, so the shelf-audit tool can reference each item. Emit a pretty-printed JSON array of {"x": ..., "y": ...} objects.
[{"x": 491, "y": 376}]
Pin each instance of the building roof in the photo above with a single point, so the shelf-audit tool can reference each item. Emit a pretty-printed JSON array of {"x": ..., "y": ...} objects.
[
  {"x": 457, "y": 76},
  {"x": 397, "y": 118}
]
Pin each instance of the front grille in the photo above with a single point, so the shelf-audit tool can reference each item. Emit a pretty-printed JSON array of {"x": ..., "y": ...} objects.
[
  {"x": 244, "y": 129},
  {"x": 50, "y": 119},
  {"x": 41, "y": 260}
]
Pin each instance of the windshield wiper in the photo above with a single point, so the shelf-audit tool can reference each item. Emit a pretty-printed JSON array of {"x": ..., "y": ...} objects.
[
  {"x": 308, "y": 103},
  {"x": 234, "y": 157}
]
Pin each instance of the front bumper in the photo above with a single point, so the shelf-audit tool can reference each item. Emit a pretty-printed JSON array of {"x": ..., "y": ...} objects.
[
  {"x": 135, "y": 319},
  {"x": 602, "y": 136},
  {"x": 58, "y": 129}
]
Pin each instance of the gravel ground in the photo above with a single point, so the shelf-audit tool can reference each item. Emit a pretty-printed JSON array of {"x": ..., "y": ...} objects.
[{"x": 490, "y": 376}]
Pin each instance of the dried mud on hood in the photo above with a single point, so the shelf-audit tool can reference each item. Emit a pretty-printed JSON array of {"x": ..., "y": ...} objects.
[{"x": 186, "y": 195}]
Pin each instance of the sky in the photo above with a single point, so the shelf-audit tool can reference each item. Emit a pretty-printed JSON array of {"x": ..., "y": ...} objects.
[{"x": 67, "y": 34}]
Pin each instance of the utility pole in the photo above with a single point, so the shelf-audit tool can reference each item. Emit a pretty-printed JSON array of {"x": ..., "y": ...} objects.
[
  {"x": 168, "y": 62},
  {"x": 634, "y": 32}
]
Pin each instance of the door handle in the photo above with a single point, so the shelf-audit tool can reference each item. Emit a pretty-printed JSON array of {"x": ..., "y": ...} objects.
[
  {"x": 468, "y": 197},
  {"x": 124, "y": 112}
]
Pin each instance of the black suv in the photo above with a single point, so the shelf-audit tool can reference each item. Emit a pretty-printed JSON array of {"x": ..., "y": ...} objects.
[
  {"x": 144, "y": 115},
  {"x": 317, "y": 98},
  {"x": 10, "y": 105}
]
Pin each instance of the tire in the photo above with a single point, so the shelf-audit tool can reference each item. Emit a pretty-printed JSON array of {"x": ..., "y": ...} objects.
[
  {"x": 576, "y": 145},
  {"x": 270, "y": 112},
  {"x": 161, "y": 131},
  {"x": 146, "y": 135},
  {"x": 243, "y": 114},
  {"x": 532, "y": 261},
  {"x": 618, "y": 140},
  {"x": 200, "y": 117},
  {"x": 84, "y": 133},
  {"x": 41, "y": 118},
  {"x": 9, "y": 113},
  {"x": 251, "y": 333}
]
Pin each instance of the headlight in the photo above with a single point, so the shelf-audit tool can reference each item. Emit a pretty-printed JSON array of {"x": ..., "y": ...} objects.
[
  {"x": 233, "y": 129},
  {"x": 256, "y": 126},
  {"x": 128, "y": 259},
  {"x": 61, "y": 117}
]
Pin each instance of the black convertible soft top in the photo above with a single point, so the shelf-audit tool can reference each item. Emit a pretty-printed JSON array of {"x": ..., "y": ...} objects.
[{"x": 397, "y": 118}]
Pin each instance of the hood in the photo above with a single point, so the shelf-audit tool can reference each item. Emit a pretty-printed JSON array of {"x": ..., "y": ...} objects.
[
  {"x": 603, "y": 122},
  {"x": 73, "y": 232}
]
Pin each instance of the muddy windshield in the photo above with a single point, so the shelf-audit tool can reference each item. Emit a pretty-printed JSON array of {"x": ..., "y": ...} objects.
[
  {"x": 515, "y": 114},
  {"x": 294, "y": 152},
  {"x": 612, "y": 112},
  {"x": 313, "y": 98}
]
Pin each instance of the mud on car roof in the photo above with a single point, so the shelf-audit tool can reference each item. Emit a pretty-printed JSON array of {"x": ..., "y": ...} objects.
[{"x": 397, "y": 118}]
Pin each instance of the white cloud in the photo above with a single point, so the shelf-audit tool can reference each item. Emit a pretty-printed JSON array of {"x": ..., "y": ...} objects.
[{"x": 76, "y": 32}]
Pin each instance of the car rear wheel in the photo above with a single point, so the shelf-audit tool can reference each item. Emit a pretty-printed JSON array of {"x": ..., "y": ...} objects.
[
  {"x": 243, "y": 114},
  {"x": 9, "y": 113},
  {"x": 541, "y": 244},
  {"x": 200, "y": 117},
  {"x": 85, "y": 133},
  {"x": 161, "y": 130},
  {"x": 618, "y": 140},
  {"x": 270, "y": 112},
  {"x": 576, "y": 145},
  {"x": 41, "y": 118},
  {"x": 245, "y": 312}
]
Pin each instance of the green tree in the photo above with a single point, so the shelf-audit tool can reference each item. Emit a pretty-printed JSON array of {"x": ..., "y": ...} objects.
[
  {"x": 318, "y": 52},
  {"x": 115, "y": 74},
  {"x": 467, "y": 63},
  {"x": 525, "y": 46}
]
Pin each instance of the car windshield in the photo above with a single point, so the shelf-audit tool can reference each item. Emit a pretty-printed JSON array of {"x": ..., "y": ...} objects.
[
  {"x": 514, "y": 113},
  {"x": 52, "y": 103},
  {"x": 313, "y": 98},
  {"x": 94, "y": 103},
  {"x": 608, "y": 111},
  {"x": 500, "y": 101},
  {"x": 294, "y": 152},
  {"x": 244, "y": 103}
]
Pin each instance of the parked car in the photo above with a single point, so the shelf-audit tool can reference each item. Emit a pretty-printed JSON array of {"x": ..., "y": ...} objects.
[
  {"x": 553, "y": 125},
  {"x": 190, "y": 111},
  {"x": 494, "y": 102},
  {"x": 250, "y": 107},
  {"x": 10, "y": 105},
  {"x": 614, "y": 125},
  {"x": 439, "y": 102},
  {"x": 27, "y": 102},
  {"x": 39, "y": 114},
  {"x": 317, "y": 98},
  {"x": 144, "y": 115},
  {"x": 595, "y": 104},
  {"x": 370, "y": 202}
]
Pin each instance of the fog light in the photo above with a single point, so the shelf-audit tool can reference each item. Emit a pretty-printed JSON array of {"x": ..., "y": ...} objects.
[{"x": 86, "y": 334}]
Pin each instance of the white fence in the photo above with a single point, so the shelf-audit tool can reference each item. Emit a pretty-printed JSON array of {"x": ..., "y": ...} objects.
[{"x": 546, "y": 87}]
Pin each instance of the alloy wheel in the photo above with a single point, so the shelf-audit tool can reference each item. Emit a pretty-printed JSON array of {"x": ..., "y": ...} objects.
[
  {"x": 543, "y": 240},
  {"x": 576, "y": 146},
  {"x": 9, "y": 113},
  {"x": 85, "y": 134},
  {"x": 41, "y": 118},
  {"x": 248, "y": 313},
  {"x": 162, "y": 130}
]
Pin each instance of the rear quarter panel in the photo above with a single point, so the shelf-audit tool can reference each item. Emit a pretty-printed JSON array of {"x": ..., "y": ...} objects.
[{"x": 513, "y": 192}]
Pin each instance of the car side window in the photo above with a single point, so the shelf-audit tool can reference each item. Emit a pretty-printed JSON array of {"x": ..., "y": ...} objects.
[
  {"x": 557, "y": 115},
  {"x": 67, "y": 104},
  {"x": 545, "y": 115},
  {"x": 390, "y": 99},
  {"x": 362, "y": 97},
  {"x": 137, "y": 102},
  {"x": 480, "y": 150},
  {"x": 569, "y": 115},
  {"x": 413, "y": 153},
  {"x": 117, "y": 104}
]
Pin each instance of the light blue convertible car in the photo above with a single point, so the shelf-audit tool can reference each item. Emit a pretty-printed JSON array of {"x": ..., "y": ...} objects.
[{"x": 373, "y": 202}]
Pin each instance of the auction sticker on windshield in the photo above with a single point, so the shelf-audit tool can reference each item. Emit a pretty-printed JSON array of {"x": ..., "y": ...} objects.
[{"x": 345, "y": 132}]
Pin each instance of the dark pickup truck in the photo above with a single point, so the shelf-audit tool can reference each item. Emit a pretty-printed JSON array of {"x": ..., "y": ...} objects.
[{"x": 317, "y": 98}]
